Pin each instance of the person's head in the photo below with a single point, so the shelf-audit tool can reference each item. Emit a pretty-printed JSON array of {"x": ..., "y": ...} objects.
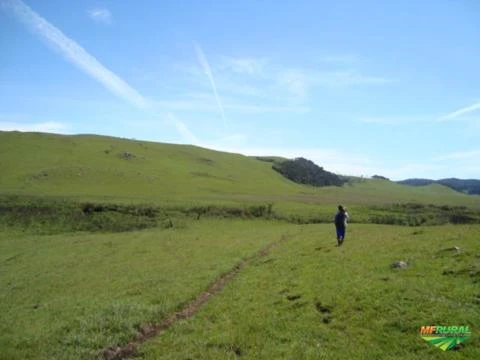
[{"x": 340, "y": 208}]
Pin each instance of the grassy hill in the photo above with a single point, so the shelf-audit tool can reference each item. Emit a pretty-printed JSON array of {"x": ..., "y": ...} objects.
[
  {"x": 100, "y": 167},
  {"x": 86, "y": 165}
]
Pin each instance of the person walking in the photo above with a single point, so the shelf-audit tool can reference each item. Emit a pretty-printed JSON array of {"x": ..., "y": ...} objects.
[{"x": 340, "y": 220}]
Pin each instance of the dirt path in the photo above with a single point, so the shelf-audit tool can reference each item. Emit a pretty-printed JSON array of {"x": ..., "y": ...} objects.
[{"x": 148, "y": 331}]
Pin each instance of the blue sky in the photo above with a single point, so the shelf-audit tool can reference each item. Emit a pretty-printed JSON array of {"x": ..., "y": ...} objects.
[{"x": 359, "y": 87}]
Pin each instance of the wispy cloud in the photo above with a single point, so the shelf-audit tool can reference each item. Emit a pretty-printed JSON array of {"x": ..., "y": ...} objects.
[
  {"x": 262, "y": 109},
  {"x": 347, "y": 78},
  {"x": 296, "y": 81},
  {"x": 414, "y": 170},
  {"x": 338, "y": 59},
  {"x": 199, "y": 105},
  {"x": 458, "y": 115},
  {"x": 246, "y": 65},
  {"x": 268, "y": 70},
  {"x": 202, "y": 59},
  {"x": 74, "y": 53},
  {"x": 262, "y": 78},
  {"x": 396, "y": 120},
  {"x": 48, "y": 126},
  {"x": 460, "y": 112},
  {"x": 300, "y": 81},
  {"x": 101, "y": 15},
  {"x": 460, "y": 155}
]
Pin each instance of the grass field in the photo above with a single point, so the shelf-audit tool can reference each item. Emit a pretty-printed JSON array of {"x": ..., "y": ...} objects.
[
  {"x": 102, "y": 238},
  {"x": 67, "y": 296},
  {"x": 311, "y": 300}
]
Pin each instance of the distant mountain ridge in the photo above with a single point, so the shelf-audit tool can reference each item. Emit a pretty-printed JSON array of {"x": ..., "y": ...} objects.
[{"x": 467, "y": 186}]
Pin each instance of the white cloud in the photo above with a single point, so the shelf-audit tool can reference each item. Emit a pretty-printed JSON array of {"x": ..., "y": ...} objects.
[
  {"x": 460, "y": 112},
  {"x": 459, "y": 115},
  {"x": 338, "y": 59},
  {"x": 243, "y": 89},
  {"x": 101, "y": 15},
  {"x": 202, "y": 59},
  {"x": 347, "y": 78},
  {"x": 431, "y": 170},
  {"x": 247, "y": 65},
  {"x": 415, "y": 170},
  {"x": 48, "y": 127},
  {"x": 296, "y": 81},
  {"x": 262, "y": 78},
  {"x": 460, "y": 155},
  {"x": 199, "y": 105},
  {"x": 396, "y": 120},
  {"x": 300, "y": 81},
  {"x": 74, "y": 53},
  {"x": 260, "y": 109}
]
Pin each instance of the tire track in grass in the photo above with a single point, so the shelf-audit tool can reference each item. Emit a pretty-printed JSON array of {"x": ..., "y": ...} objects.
[{"x": 149, "y": 331}]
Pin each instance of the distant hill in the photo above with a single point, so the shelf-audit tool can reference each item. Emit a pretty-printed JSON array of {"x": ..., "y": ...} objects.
[{"x": 467, "y": 186}]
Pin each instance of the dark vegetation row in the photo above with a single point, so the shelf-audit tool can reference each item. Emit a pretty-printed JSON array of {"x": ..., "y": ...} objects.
[
  {"x": 303, "y": 171},
  {"x": 413, "y": 214},
  {"x": 48, "y": 216}
]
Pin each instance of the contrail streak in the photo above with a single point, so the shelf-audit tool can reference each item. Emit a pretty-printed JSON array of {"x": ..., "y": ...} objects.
[
  {"x": 77, "y": 55},
  {"x": 206, "y": 68},
  {"x": 182, "y": 129},
  {"x": 461, "y": 112},
  {"x": 73, "y": 52}
]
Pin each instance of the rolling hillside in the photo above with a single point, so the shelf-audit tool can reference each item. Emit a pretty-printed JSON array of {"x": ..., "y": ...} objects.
[
  {"x": 100, "y": 167},
  {"x": 467, "y": 186}
]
